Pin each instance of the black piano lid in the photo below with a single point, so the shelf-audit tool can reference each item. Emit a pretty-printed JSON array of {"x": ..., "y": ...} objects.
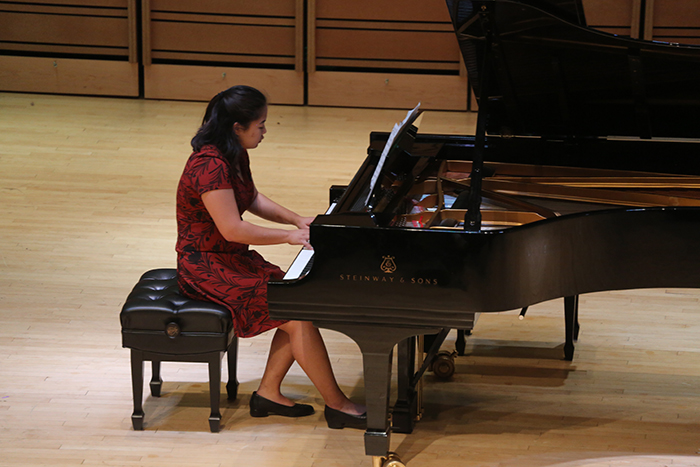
[{"x": 549, "y": 75}]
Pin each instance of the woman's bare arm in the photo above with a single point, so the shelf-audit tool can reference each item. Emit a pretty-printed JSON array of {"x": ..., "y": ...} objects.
[
  {"x": 222, "y": 207},
  {"x": 267, "y": 209}
]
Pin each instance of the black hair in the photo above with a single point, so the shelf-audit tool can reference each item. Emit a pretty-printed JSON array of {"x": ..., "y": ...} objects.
[{"x": 238, "y": 104}]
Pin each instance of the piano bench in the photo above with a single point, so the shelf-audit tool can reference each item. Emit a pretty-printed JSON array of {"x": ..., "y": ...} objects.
[{"x": 159, "y": 324}]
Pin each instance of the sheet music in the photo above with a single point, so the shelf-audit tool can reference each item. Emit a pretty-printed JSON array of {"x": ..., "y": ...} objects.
[{"x": 389, "y": 143}]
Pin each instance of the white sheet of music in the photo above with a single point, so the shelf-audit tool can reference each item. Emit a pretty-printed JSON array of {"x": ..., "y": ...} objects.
[
  {"x": 387, "y": 147},
  {"x": 302, "y": 258}
]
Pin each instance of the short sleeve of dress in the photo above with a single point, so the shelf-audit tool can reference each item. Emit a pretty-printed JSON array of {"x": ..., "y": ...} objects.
[
  {"x": 209, "y": 173},
  {"x": 205, "y": 171}
]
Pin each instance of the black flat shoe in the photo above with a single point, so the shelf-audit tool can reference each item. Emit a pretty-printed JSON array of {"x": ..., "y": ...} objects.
[
  {"x": 337, "y": 419},
  {"x": 261, "y": 407}
]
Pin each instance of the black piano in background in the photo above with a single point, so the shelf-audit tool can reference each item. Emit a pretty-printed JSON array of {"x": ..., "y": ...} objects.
[{"x": 582, "y": 176}]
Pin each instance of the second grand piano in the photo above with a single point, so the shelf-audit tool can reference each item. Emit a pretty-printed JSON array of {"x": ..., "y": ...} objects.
[{"x": 583, "y": 176}]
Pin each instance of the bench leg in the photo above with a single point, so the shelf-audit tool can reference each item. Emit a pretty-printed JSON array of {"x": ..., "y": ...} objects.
[
  {"x": 137, "y": 386},
  {"x": 215, "y": 390},
  {"x": 156, "y": 381},
  {"x": 232, "y": 358}
]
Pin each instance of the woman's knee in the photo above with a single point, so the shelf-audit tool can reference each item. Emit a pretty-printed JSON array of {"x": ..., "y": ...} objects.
[{"x": 292, "y": 327}]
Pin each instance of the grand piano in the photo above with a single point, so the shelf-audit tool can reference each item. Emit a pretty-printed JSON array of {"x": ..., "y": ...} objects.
[{"x": 583, "y": 176}]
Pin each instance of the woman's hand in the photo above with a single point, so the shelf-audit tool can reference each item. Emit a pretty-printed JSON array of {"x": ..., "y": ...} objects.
[
  {"x": 300, "y": 237},
  {"x": 304, "y": 222}
]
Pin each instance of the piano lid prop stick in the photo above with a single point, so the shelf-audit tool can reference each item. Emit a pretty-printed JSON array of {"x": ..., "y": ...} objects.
[
  {"x": 472, "y": 218},
  {"x": 521, "y": 316}
]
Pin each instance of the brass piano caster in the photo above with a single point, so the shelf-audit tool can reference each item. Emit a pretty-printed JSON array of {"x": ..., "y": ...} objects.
[
  {"x": 444, "y": 364},
  {"x": 391, "y": 460}
]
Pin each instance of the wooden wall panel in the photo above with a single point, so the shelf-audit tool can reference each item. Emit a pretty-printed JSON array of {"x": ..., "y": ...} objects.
[
  {"x": 269, "y": 8},
  {"x": 675, "y": 21},
  {"x": 419, "y": 11},
  {"x": 87, "y": 28},
  {"x": 69, "y": 76},
  {"x": 616, "y": 17},
  {"x": 223, "y": 41},
  {"x": 662, "y": 20},
  {"x": 78, "y": 3},
  {"x": 201, "y": 83},
  {"x": 236, "y": 32},
  {"x": 435, "y": 48},
  {"x": 75, "y": 47},
  {"x": 387, "y": 90},
  {"x": 388, "y": 54},
  {"x": 242, "y": 43},
  {"x": 75, "y": 34}
]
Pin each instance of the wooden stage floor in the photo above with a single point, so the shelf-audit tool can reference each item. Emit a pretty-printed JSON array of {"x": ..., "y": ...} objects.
[{"x": 87, "y": 204}]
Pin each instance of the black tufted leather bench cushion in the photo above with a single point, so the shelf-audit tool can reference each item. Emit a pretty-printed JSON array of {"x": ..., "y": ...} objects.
[
  {"x": 156, "y": 318},
  {"x": 159, "y": 324}
]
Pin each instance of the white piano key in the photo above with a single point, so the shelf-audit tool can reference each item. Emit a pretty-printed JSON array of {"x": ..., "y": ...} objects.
[
  {"x": 303, "y": 258},
  {"x": 299, "y": 264}
]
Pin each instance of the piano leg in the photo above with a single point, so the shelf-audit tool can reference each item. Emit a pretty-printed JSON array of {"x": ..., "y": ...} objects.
[
  {"x": 377, "y": 372},
  {"x": 377, "y": 345},
  {"x": 571, "y": 325}
]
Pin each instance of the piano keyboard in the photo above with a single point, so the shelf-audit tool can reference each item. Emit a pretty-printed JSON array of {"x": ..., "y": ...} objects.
[
  {"x": 301, "y": 265},
  {"x": 304, "y": 259}
]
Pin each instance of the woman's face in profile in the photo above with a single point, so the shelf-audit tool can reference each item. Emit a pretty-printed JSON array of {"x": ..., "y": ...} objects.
[{"x": 252, "y": 136}]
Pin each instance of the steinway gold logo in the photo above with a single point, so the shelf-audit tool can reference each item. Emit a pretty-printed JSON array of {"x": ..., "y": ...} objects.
[{"x": 388, "y": 266}]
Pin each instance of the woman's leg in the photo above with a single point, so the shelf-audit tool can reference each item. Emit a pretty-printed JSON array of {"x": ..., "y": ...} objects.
[
  {"x": 279, "y": 361},
  {"x": 301, "y": 341}
]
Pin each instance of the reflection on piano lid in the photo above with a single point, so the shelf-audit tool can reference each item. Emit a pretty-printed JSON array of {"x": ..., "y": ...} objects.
[
  {"x": 567, "y": 10},
  {"x": 536, "y": 73}
]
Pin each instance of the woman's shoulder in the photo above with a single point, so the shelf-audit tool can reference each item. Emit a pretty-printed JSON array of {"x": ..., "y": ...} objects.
[
  {"x": 206, "y": 155},
  {"x": 207, "y": 159},
  {"x": 207, "y": 169},
  {"x": 208, "y": 150}
]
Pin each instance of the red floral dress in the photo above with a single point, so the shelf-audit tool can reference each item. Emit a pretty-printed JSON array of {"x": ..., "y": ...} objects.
[{"x": 209, "y": 267}]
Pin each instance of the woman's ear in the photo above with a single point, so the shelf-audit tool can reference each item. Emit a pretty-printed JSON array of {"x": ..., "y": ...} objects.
[{"x": 237, "y": 128}]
